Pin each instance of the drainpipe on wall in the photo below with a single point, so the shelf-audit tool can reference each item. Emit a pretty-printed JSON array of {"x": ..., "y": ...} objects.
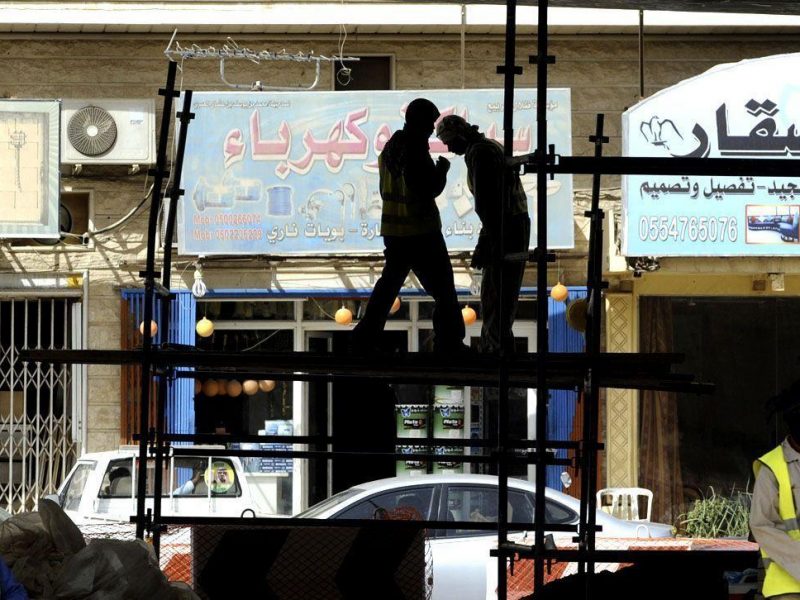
[
  {"x": 641, "y": 54},
  {"x": 84, "y": 369},
  {"x": 463, "y": 44}
]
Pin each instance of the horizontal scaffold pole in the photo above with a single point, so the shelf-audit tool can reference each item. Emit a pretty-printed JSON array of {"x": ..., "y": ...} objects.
[{"x": 565, "y": 370}]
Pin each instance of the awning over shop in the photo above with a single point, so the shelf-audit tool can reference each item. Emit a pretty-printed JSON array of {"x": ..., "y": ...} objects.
[
  {"x": 786, "y": 7},
  {"x": 329, "y": 284}
]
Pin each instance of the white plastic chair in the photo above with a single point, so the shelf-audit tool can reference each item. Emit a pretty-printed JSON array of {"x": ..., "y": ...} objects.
[{"x": 623, "y": 503}]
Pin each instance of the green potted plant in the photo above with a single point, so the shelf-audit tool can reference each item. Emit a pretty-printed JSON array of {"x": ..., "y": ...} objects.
[{"x": 717, "y": 516}]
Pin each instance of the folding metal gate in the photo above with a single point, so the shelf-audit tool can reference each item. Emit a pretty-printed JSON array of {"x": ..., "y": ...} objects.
[{"x": 40, "y": 403}]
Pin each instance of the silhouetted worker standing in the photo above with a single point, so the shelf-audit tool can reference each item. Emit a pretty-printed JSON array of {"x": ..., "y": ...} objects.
[
  {"x": 486, "y": 173},
  {"x": 412, "y": 232}
]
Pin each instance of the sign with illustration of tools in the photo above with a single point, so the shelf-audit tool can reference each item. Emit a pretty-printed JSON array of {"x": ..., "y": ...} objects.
[
  {"x": 296, "y": 173},
  {"x": 412, "y": 422},
  {"x": 749, "y": 109}
]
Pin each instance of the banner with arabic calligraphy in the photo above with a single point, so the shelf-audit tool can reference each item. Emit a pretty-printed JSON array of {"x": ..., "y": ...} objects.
[
  {"x": 749, "y": 109},
  {"x": 296, "y": 173}
]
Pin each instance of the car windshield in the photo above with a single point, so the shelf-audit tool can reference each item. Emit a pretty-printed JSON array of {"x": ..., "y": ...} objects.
[{"x": 321, "y": 507}]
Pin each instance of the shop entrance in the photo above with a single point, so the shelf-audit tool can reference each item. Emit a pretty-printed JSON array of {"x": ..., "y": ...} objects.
[
  {"x": 481, "y": 409},
  {"x": 691, "y": 447},
  {"x": 357, "y": 413}
]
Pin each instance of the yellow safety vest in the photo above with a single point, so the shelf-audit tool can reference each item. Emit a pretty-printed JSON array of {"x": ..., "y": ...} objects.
[
  {"x": 403, "y": 212},
  {"x": 777, "y": 580}
]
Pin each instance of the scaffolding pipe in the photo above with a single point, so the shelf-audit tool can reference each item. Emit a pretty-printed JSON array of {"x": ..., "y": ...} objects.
[
  {"x": 542, "y": 337},
  {"x": 509, "y": 71},
  {"x": 166, "y": 375},
  {"x": 149, "y": 287}
]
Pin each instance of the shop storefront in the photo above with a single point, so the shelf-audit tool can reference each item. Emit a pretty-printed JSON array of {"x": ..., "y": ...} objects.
[
  {"x": 294, "y": 176},
  {"x": 360, "y": 415},
  {"x": 250, "y": 298},
  {"x": 719, "y": 285}
]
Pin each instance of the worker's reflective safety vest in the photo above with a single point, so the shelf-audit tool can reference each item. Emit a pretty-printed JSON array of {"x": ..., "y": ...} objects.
[
  {"x": 404, "y": 213},
  {"x": 777, "y": 580}
]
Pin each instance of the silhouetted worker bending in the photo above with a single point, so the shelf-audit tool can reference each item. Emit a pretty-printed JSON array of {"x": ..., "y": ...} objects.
[
  {"x": 412, "y": 232},
  {"x": 486, "y": 174}
]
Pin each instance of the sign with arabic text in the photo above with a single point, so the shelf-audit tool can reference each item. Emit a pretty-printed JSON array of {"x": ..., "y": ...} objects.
[
  {"x": 296, "y": 173},
  {"x": 749, "y": 109}
]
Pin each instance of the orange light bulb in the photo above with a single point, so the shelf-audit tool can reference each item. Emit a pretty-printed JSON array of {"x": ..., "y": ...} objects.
[
  {"x": 343, "y": 316},
  {"x": 469, "y": 315},
  {"x": 559, "y": 293}
]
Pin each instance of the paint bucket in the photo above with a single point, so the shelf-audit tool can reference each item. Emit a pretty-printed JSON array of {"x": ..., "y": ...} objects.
[
  {"x": 279, "y": 202},
  {"x": 448, "y": 394},
  {"x": 412, "y": 420},
  {"x": 448, "y": 421},
  {"x": 411, "y": 465},
  {"x": 443, "y": 465}
]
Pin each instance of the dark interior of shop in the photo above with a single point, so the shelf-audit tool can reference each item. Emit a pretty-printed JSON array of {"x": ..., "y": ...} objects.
[{"x": 744, "y": 347}]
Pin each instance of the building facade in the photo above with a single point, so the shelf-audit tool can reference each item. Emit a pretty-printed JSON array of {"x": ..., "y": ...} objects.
[{"x": 85, "y": 291}]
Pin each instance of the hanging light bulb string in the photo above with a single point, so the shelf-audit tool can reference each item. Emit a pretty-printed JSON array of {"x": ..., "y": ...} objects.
[
  {"x": 322, "y": 310},
  {"x": 559, "y": 291},
  {"x": 558, "y": 270}
]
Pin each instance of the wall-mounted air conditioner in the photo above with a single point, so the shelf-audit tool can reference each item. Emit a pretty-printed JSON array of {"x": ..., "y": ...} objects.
[{"x": 108, "y": 131}]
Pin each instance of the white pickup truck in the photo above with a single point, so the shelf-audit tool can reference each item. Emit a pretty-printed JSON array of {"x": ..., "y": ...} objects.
[{"x": 101, "y": 487}]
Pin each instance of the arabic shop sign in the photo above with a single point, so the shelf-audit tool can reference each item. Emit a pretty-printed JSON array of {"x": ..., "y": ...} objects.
[
  {"x": 749, "y": 109},
  {"x": 296, "y": 173}
]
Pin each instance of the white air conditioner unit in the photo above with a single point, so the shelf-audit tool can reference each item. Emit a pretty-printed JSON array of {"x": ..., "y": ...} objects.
[{"x": 108, "y": 131}]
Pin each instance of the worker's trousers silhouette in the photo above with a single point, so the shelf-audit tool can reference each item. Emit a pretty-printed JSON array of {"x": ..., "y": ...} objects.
[{"x": 425, "y": 255}]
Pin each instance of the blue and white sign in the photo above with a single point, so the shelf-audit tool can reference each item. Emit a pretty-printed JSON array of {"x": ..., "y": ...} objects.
[
  {"x": 296, "y": 173},
  {"x": 749, "y": 109}
]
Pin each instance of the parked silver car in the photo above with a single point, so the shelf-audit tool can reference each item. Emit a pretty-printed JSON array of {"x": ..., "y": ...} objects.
[{"x": 461, "y": 557}]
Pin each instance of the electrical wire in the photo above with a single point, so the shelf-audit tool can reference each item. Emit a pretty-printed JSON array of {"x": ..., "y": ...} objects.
[
  {"x": 258, "y": 343},
  {"x": 344, "y": 74},
  {"x": 124, "y": 219},
  {"x": 322, "y": 310}
]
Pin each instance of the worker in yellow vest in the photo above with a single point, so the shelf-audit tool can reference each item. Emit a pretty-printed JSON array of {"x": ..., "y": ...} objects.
[
  {"x": 773, "y": 514},
  {"x": 411, "y": 229}
]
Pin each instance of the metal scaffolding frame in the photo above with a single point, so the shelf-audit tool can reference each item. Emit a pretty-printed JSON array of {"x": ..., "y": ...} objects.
[{"x": 543, "y": 370}]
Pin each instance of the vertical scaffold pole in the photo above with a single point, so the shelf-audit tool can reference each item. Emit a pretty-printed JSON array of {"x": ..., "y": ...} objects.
[
  {"x": 542, "y": 337},
  {"x": 509, "y": 70},
  {"x": 159, "y": 173},
  {"x": 591, "y": 395},
  {"x": 175, "y": 194}
]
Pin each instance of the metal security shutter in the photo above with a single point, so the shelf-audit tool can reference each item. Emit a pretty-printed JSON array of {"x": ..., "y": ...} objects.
[
  {"x": 563, "y": 404},
  {"x": 179, "y": 410},
  {"x": 38, "y": 437}
]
